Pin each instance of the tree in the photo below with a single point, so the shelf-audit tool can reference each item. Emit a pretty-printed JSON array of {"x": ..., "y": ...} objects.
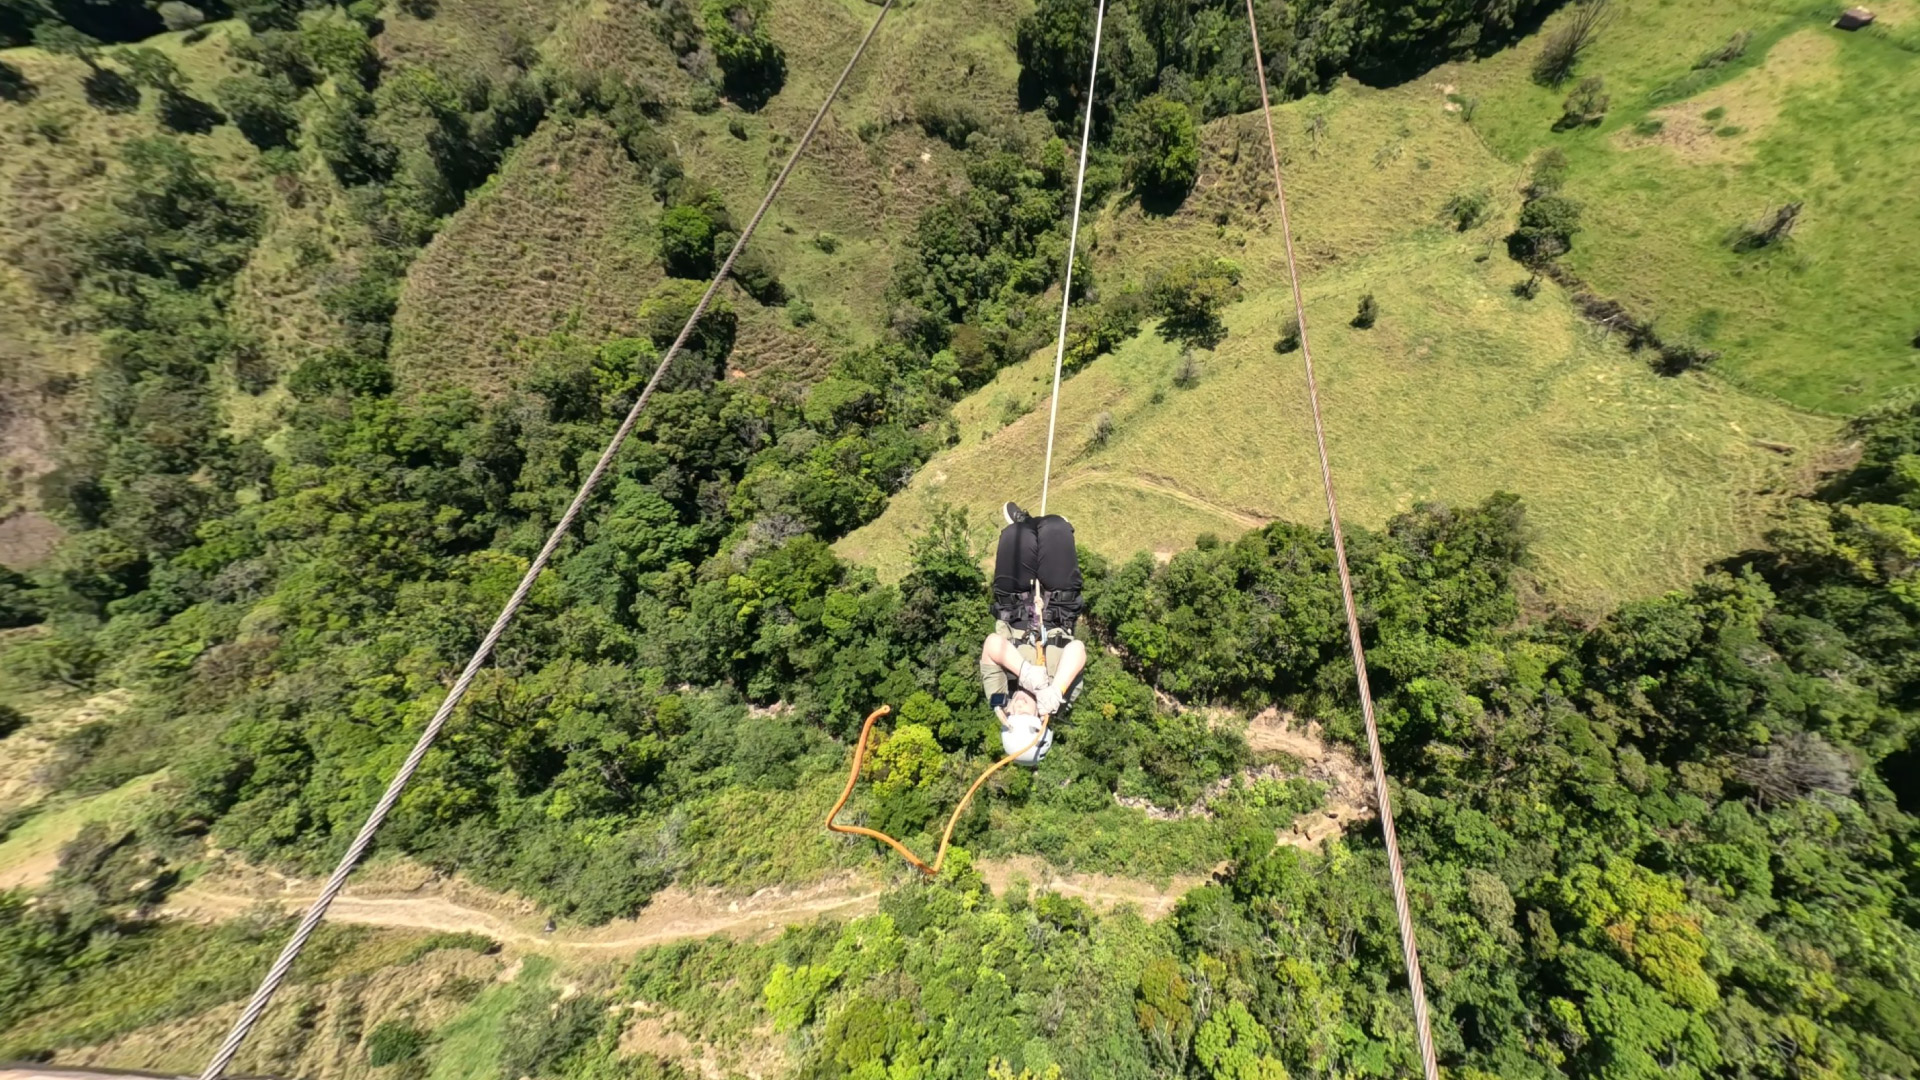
[
  {"x": 62, "y": 40},
  {"x": 264, "y": 15},
  {"x": 19, "y": 600},
  {"x": 1586, "y": 106},
  {"x": 1289, "y": 338},
  {"x": 1367, "y": 314},
  {"x": 1189, "y": 298},
  {"x": 179, "y": 111},
  {"x": 1561, "y": 52},
  {"x": 686, "y": 241},
  {"x": 14, "y": 84},
  {"x": 262, "y": 108},
  {"x": 1055, "y": 43},
  {"x": 1546, "y": 229},
  {"x": 752, "y": 67},
  {"x": 1163, "y": 149},
  {"x": 1466, "y": 209},
  {"x": 1775, "y": 230}
]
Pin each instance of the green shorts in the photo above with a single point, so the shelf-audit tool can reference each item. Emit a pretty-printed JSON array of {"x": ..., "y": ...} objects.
[{"x": 998, "y": 681}]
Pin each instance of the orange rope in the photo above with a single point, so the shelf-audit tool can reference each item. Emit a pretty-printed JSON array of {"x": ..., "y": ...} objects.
[{"x": 946, "y": 838}]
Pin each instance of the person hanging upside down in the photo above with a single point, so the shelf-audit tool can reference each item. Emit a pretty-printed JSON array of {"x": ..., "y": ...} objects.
[{"x": 1021, "y": 689}]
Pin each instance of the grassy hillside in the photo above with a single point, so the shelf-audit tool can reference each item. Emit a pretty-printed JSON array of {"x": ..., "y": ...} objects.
[
  {"x": 1631, "y": 479},
  {"x": 565, "y": 237},
  {"x": 1689, "y": 154}
]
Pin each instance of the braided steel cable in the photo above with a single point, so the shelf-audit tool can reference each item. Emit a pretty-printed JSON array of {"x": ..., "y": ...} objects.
[
  {"x": 1410, "y": 952},
  {"x": 1073, "y": 241},
  {"x": 277, "y": 974}
]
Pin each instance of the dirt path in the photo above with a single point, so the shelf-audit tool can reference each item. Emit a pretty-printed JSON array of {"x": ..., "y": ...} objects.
[
  {"x": 411, "y": 897},
  {"x": 434, "y": 904},
  {"x": 62, "y": 1073}
]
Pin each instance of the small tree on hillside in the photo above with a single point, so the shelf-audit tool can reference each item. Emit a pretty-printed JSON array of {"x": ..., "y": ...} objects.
[
  {"x": 1774, "y": 230},
  {"x": 752, "y": 67},
  {"x": 1563, "y": 48},
  {"x": 1367, "y": 314},
  {"x": 14, "y": 84},
  {"x": 261, "y": 108},
  {"x": 1189, "y": 298},
  {"x": 686, "y": 241},
  {"x": 179, "y": 110},
  {"x": 1467, "y": 208},
  {"x": 1586, "y": 106},
  {"x": 1547, "y": 225},
  {"x": 1289, "y": 338}
]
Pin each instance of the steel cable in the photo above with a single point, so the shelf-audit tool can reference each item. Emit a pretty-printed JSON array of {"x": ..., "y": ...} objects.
[
  {"x": 1409, "y": 950},
  {"x": 263, "y": 996}
]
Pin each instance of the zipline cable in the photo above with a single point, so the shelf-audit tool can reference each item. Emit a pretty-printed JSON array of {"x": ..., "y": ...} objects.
[
  {"x": 1409, "y": 951},
  {"x": 932, "y": 869},
  {"x": 1073, "y": 241},
  {"x": 263, "y": 996}
]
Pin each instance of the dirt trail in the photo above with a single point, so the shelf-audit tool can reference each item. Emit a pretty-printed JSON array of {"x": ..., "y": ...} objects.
[
  {"x": 62, "y": 1073},
  {"x": 1164, "y": 486},
  {"x": 411, "y": 897},
  {"x": 431, "y": 903}
]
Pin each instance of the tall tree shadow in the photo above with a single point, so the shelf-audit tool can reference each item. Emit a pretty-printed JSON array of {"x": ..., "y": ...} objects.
[
  {"x": 111, "y": 91},
  {"x": 189, "y": 115},
  {"x": 15, "y": 86}
]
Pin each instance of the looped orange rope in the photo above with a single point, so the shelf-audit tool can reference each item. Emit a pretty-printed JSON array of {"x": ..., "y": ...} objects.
[{"x": 946, "y": 838}]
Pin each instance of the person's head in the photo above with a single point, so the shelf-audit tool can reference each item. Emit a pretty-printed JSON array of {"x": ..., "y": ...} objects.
[{"x": 1022, "y": 703}]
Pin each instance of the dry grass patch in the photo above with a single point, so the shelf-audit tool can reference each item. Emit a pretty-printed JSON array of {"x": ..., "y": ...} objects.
[{"x": 560, "y": 240}]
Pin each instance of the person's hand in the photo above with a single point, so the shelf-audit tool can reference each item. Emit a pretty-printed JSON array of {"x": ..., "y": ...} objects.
[
  {"x": 1033, "y": 677},
  {"x": 1047, "y": 700}
]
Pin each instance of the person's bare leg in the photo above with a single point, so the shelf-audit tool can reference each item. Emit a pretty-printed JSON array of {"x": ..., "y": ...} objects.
[
  {"x": 1073, "y": 660},
  {"x": 999, "y": 650}
]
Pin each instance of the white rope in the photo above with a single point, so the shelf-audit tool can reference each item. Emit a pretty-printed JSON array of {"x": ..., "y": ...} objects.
[
  {"x": 263, "y": 996},
  {"x": 1409, "y": 951},
  {"x": 1073, "y": 240}
]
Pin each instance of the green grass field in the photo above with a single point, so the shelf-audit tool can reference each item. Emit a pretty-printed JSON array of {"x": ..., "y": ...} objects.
[
  {"x": 30, "y": 852},
  {"x": 1632, "y": 480},
  {"x": 1808, "y": 114}
]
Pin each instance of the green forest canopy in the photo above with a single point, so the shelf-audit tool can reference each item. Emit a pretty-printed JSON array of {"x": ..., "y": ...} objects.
[{"x": 1679, "y": 842}]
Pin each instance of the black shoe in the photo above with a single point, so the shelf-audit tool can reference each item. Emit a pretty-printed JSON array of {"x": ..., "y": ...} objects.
[{"x": 1013, "y": 514}]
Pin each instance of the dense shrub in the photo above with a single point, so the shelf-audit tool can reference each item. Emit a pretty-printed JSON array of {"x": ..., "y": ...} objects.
[
  {"x": 1163, "y": 149},
  {"x": 394, "y": 1042},
  {"x": 752, "y": 67}
]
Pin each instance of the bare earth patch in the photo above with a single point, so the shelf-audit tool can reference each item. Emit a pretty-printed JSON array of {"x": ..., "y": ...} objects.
[
  {"x": 1722, "y": 124},
  {"x": 1349, "y": 795},
  {"x": 408, "y": 896},
  {"x": 656, "y": 1032}
]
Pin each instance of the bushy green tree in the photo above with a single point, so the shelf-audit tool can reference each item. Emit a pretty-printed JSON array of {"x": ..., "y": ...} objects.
[
  {"x": 1163, "y": 149},
  {"x": 262, "y": 108},
  {"x": 1189, "y": 298},
  {"x": 1546, "y": 230},
  {"x": 753, "y": 67}
]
